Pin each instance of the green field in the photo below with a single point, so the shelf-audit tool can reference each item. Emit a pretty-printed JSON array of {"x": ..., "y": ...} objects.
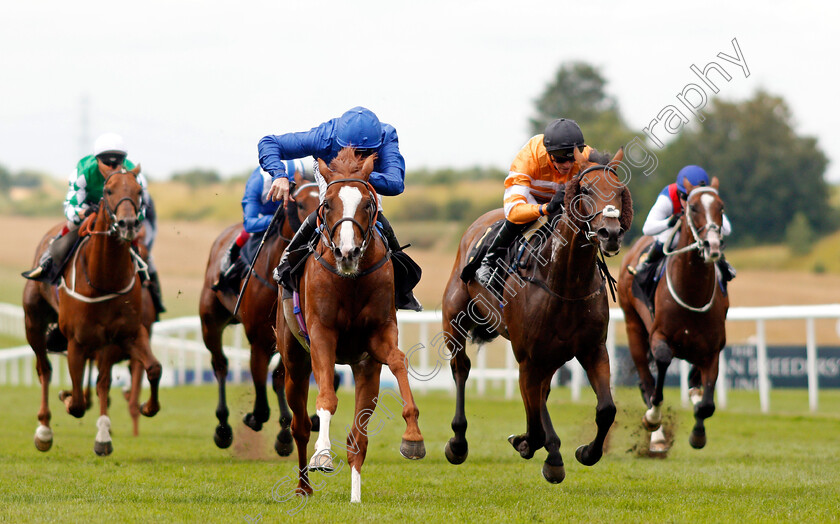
[{"x": 783, "y": 466}]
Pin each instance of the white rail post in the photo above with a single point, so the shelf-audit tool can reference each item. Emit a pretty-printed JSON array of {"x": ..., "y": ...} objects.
[
  {"x": 237, "y": 362},
  {"x": 811, "y": 351},
  {"x": 29, "y": 370},
  {"x": 198, "y": 378},
  {"x": 182, "y": 358},
  {"x": 481, "y": 382},
  {"x": 424, "y": 354},
  {"x": 577, "y": 379},
  {"x": 721, "y": 381},
  {"x": 611, "y": 352},
  {"x": 684, "y": 369},
  {"x": 763, "y": 378},
  {"x": 510, "y": 376}
]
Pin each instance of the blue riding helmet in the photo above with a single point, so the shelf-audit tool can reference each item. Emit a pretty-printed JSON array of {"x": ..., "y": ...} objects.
[
  {"x": 359, "y": 128},
  {"x": 695, "y": 175}
]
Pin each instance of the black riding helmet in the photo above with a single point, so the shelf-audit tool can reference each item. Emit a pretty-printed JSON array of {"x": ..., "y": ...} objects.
[{"x": 562, "y": 136}]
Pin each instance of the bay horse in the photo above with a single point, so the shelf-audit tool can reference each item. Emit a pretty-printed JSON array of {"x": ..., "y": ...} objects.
[
  {"x": 347, "y": 302},
  {"x": 256, "y": 314},
  {"x": 690, "y": 312},
  {"x": 100, "y": 311},
  {"x": 557, "y": 313}
]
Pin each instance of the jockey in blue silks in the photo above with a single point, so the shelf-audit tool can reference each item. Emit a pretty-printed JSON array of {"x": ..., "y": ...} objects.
[
  {"x": 257, "y": 211},
  {"x": 666, "y": 212},
  {"x": 359, "y": 128}
]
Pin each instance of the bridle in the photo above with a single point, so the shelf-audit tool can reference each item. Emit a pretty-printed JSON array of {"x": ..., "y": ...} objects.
[
  {"x": 113, "y": 230},
  {"x": 609, "y": 211},
  {"x": 697, "y": 245},
  {"x": 327, "y": 232}
]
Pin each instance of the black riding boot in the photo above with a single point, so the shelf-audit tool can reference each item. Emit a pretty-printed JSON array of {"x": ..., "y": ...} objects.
[
  {"x": 157, "y": 295},
  {"x": 649, "y": 259},
  {"x": 406, "y": 272},
  {"x": 296, "y": 252},
  {"x": 500, "y": 244},
  {"x": 53, "y": 258},
  {"x": 228, "y": 270}
]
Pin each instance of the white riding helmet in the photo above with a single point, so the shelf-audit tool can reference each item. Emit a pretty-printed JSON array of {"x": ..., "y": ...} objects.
[{"x": 109, "y": 143}]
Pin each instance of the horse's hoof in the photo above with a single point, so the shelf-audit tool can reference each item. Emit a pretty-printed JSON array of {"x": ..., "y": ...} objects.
[
  {"x": 284, "y": 444},
  {"x": 650, "y": 426},
  {"x": 452, "y": 457},
  {"x": 658, "y": 448},
  {"x": 697, "y": 440},
  {"x": 553, "y": 474},
  {"x": 321, "y": 461},
  {"x": 316, "y": 423},
  {"x": 520, "y": 444},
  {"x": 251, "y": 421},
  {"x": 587, "y": 455},
  {"x": 103, "y": 449},
  {"x": 147, "y": 410},
  {"x": 43, "y": 438},
  {"x": 223, "y": 436},
  {"x": 412, "y": 449}
]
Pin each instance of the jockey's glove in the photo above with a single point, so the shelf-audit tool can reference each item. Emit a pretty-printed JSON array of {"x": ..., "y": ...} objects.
[{"x": 556, "y": 202}]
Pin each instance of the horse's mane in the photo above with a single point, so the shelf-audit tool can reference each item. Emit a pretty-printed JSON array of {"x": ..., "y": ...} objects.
[
  {"x": 599, "y": 157},
  {"x": 347, "y": 161}
]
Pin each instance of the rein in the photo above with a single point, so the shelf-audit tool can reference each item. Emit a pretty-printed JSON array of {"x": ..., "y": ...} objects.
[
  {"x": 697, "y": 245},
  {"x": 139, "y": 266}
]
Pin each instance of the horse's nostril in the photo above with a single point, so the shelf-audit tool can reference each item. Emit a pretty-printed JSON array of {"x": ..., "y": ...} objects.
[
  {"x": 356, "y": 252},
  {"x": 121, "y": 223},
  {"x": 337, "y": 253}
]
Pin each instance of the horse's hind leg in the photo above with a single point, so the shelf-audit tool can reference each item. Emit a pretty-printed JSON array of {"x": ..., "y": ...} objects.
[
  {"x": 662, "y": 355},
  {"x": 531, "y": 379},
  {"x": 456, "y": 448},
  {"x": 284, "y": 445},
  {"x": 639, "y": 344},
  {"x": 136, "y": 371},
  {"x": 211, "y": 331},
  {"x": 141, "y": 351},
  {"x": 366, "y": 374},
  {"x": 597, "y": 366},
  {"x": 705, "y": 408},
  {"x": 259, "y": 372},
  {"x": 297, "y": 372}
]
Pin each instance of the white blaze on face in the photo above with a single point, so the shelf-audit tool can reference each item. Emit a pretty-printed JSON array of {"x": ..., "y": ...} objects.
[
  {"x": 713, "y": 237},
  {"x": 350, "y": 197}
]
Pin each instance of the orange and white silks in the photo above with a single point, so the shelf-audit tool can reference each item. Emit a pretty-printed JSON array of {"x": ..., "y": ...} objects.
[{"x": 532, "y": 181}]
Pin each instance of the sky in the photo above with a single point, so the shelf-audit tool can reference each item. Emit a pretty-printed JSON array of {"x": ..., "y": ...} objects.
[{"x": 198, "y": 83}]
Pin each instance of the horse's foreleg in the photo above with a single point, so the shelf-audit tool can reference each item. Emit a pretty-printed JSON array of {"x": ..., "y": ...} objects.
[
  {"x": 75, "y": 402},
  {"x": 211, "y": 332},
  {"x": 102, "y": 445},
  {"x": 385, "y": 343},
  {"x": 366, "y": 374},
  {"x": 597, "y": 366},
  {"x": 706, "y": 407},
  {"x": 662, "y": 355},
  {"x": 457, "y": 448},
  {"x": 553, "y": 469},
  {"x": 259, "y": 374},
  {"x": 639, "y": 344},
  {"x": 323, "y": 351},
  {"x": 283, "y": 445},
  {"x": 530, "y": 386}
]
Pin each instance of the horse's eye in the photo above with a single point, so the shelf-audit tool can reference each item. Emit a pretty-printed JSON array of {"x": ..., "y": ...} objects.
[
  {"x": 584, "y": 190},
  {"x": 108, "y": 191}
]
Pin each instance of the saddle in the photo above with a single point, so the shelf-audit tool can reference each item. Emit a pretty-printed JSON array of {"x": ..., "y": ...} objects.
[{"x": 517, "y": 256}]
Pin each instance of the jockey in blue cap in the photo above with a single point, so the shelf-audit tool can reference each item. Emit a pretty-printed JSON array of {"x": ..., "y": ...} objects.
[
  {"x": 665, "y": 214},
  {"x": 358, "y": 128},
  {"x": 257, "y": 210}
]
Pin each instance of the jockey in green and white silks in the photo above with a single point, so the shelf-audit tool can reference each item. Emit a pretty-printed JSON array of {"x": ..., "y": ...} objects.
[{"x": 84, "y": 191}]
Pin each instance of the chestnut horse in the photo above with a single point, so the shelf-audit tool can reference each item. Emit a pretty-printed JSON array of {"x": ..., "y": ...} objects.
[
  {"x": 347, "y": 301},
  {"x": 690, "y": 313},
  {"x": 100, "y": 309},
  {"x": 256, "y": 313},
  {"x": 558, "y": 312}
]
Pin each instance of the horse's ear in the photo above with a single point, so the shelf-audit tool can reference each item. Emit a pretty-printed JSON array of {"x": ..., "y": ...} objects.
[
  {"x": 579, "y": 158},
  {"x": 324, "y": 169},
  {"x": 619, "y": 156},
  {"x": 367, "y": 167},
  {"x": 136, "y": 170},
  {"x": 688, "y": 187},
  {"x": 715, "y": 182}
]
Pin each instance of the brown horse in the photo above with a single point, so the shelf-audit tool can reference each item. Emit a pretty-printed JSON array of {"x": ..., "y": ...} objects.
[
  {"x": 256, "y": 313},
  {"x": 347, "y": 301},
  {"x": 690, "y": 319},
  {"x": 557, "y": 313},
  {"x": 100, "y": 309}
]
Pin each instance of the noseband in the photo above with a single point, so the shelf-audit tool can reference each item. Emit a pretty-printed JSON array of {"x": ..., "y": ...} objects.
[
  {"x": 609, "y": 211},
  {"x": 698, "y": 241}
]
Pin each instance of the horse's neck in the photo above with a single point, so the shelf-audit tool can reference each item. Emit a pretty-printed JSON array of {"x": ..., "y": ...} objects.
[
  {"x": 689, "y": 270},
  {"x": 107, "y": 255},
  {"x": 571, "y": 267}
]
